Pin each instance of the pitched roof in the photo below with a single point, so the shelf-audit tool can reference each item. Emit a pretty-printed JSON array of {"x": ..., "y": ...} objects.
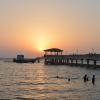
[{"x": 53, "y": 50}]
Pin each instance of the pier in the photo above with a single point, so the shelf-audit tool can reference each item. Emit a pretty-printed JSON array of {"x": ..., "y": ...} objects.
[
  {"x": 21, "y": 59},
  {"x": 54, "y": 56}
]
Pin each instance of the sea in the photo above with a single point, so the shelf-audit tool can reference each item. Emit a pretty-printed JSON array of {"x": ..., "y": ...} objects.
[{"x": 37, "y": 81}]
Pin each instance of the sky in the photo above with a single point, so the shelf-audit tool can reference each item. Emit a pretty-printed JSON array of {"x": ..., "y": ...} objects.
[{"x": 30, "y": 26}]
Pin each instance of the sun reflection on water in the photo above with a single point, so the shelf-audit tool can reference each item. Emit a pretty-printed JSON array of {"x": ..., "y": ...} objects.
[
  {"x": 38, "y": 82},
  {"x": 31, "y": 83},
  {"x": 40, "y": 75}
]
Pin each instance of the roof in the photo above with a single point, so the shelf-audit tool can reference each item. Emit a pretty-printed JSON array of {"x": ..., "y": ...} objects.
[{"x": 53, "y": 50}]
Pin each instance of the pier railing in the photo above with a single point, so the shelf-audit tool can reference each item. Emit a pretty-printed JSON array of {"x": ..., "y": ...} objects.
[{"x": 80, "y": 59}]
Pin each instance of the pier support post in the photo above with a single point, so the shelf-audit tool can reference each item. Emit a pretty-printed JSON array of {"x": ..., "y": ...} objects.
[
  {"x": 67, "y": 61},
  {"x": 81, "y": 61},
  {"x": 71, "y": 61},
  {"x": 87, "y": 62},
  {"x": 76, "y": 62},
  {"x": 94, "y": 62},
  {"x": 60, "y": 61}
]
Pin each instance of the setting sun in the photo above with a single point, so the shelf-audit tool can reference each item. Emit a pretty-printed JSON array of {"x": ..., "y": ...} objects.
[
  {"x": 42, "y": 25},
  {"x": 41, "y": 39}
]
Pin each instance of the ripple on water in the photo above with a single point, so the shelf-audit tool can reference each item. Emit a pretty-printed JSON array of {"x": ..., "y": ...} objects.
[{"x": 37, "y": 82}]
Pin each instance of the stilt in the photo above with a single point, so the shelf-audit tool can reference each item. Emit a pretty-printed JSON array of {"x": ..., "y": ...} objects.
[
  {"x": 95, "y": 62},
  {"x": 67, "y": 61},
  {"x": 81, "y": 61},
  {"x": 87, "y": 62},
  {"x": 76, "y": 61},
  {"x": 71, "y": 61}
]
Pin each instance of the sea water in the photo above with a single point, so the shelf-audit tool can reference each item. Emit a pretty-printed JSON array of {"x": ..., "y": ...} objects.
[{"x": 38, "y": 82}]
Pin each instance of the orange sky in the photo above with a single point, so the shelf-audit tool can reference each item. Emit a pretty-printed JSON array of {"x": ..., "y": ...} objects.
[{"x": 28, "y": 27}]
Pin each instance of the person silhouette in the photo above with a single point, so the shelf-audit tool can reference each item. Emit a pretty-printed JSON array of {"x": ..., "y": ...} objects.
[
  {"x": 85, "y": 78},
  {"x": 93, "y": 79},
  {"x": 68, "y": 79}
]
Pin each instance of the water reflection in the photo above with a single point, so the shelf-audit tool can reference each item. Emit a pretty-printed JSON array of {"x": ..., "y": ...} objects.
[
  {"x": 36, "y": 81},
  {"x": 32, "y": 83},
  {"x": 40, "y": 77}
]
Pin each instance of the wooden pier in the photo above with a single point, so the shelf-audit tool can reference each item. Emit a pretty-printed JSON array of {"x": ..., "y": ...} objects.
[{"x": 54, "y": 56}]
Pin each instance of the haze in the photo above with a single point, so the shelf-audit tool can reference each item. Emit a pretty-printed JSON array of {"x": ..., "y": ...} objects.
[{"x": 29, "y": 26}]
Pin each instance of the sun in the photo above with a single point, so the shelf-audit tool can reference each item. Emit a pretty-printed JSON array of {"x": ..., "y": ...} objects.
[
  {"x": 42, "y": 42},
  {"x": 41, "y": 48}
]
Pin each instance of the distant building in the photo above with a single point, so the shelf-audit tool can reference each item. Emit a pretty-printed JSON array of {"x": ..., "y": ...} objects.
[
  {"x": 20, "y": 57},
  {"x": 53, "y": 56},
  {"x": 53, "y": 51}
]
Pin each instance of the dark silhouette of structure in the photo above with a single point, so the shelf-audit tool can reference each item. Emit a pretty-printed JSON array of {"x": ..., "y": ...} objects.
[
  {"x": 54, "y": 56},
  {"x": 21, "y": 59}
]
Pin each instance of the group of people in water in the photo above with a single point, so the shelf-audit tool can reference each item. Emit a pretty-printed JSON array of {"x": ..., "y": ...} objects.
[{"x": 85, "y": 78}]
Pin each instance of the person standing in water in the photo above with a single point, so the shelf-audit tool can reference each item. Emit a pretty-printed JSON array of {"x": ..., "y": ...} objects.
[
  {"x": 85, "y": 78},
  {"x": 93, "y": 79},
  {"x": 68, "y": 79}
]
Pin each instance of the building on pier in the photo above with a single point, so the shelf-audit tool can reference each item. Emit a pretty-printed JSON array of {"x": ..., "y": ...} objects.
[
  {"x": 53, "y": 51},
  {"x": 52, "y": 56}
]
